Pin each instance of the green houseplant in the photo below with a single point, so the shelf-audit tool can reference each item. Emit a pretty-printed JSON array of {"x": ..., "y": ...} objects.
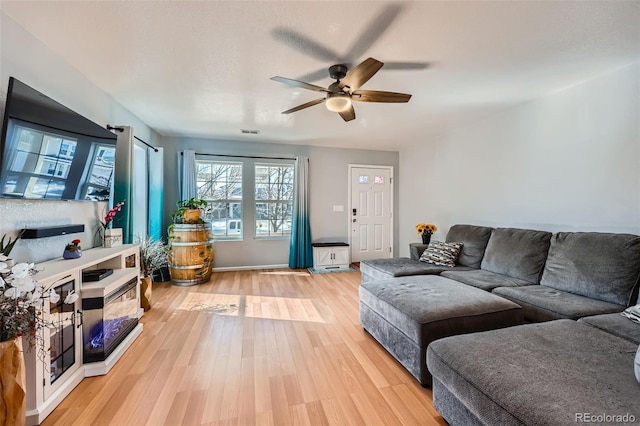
[
  {"x": 5, "y": 249},
  {"x": 189, "y": 211}
]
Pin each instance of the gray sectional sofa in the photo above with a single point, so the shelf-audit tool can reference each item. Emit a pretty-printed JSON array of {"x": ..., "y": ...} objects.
[{"x": 460, "y": 328}]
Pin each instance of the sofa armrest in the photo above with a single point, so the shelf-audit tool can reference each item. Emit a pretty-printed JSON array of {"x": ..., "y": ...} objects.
[{"x": 416, "y": 249}]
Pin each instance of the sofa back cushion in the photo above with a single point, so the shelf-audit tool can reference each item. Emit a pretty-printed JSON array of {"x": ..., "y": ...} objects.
[
  {"x": 518, "y": 253},
  {"x": 601, "y": 266},
  {"x": 474, "y": 241}
]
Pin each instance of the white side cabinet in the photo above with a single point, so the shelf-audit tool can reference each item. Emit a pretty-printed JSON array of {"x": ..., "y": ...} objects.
[
  {"x": 59, "y": 364},
  {"x": 331, "y": 255}
]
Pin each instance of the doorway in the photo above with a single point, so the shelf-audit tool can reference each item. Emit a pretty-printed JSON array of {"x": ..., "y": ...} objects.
[{"x": 370, "y": 212}]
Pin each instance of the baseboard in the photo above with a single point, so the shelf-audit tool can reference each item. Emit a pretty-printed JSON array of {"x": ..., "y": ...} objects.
[{"x": 249, "y": 268}]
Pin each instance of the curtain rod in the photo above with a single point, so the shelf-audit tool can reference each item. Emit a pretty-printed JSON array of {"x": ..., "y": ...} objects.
[
  {"x": 120, "y": 129},
  {"x": 246, "y": 156}
]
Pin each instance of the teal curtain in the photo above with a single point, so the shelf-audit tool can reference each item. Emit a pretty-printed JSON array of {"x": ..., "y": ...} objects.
[
  {"x": 123, "y": 184},
  {"x": 300, "y": 251},
  {"x": 187, "y": 175}
]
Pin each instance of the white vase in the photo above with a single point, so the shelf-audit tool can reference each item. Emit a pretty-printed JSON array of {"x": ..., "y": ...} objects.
[{"x": 112, "y": 237}]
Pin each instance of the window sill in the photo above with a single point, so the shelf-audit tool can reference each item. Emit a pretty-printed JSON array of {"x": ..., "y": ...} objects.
[{"x": 271, "y": 238}]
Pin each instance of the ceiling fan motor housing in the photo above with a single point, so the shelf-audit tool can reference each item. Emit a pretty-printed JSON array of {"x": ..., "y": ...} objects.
[{"x": 338, "y": 72}]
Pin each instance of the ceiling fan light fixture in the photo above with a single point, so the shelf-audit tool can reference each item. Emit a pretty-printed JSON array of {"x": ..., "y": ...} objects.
[{"x": 338, "y": 102}]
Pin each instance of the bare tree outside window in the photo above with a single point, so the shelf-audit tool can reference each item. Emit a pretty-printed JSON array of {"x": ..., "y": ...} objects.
[
  {"x": 274, "y": 199},
  {"x": 220, "y": 183}
]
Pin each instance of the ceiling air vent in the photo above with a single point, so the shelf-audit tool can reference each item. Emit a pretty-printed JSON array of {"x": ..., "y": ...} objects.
[{"x": 249, "y": 132}]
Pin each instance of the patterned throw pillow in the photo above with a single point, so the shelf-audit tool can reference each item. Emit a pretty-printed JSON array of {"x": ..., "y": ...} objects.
[
  {"x": 637, "y": 365},
  {"x": 441, "y": 253}
]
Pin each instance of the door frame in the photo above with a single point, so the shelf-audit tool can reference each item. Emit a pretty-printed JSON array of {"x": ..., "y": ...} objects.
[{"x": 349, "y": 202}]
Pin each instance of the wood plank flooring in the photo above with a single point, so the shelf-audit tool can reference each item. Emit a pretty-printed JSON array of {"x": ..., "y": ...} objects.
[{"x": 270, "y": 347}]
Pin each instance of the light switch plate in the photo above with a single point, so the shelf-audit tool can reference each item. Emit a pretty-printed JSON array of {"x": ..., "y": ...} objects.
[{"x": 338, "y": 208}]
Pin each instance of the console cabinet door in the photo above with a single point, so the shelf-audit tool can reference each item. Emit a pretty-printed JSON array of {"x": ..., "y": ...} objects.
[
  {"x": 323, "y": 256},
  {"x": 341, "y": 255},
  {"x": 65, "y": 340}
]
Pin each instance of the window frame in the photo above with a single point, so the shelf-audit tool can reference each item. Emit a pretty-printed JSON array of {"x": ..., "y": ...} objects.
[
  {"x": 248, "y": 202},
  {"x": 227, "y": 200},
  {"x": 274, "y": 201}
]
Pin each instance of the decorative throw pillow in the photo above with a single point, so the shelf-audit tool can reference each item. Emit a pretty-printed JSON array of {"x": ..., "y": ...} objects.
[
  {"x": 633, "y": 313},
  {"x": 441, "y": 253},
  {"x": 637, "y": 365}
]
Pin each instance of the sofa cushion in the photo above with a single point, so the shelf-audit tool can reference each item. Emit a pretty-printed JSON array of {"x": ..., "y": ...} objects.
[
  {"x": 535, "y": 374},
  {"x": 405, "y": 314},
  {"x": 518, "y": 253},
  {"x": 382, "y": 269},
  {"x": 410, "y": 303},
  {"x": 596, "y": 265},
  {"x": 441, "y": 254},
  {"x": 615, "y": 324},
  {"x": 474, "y": 239},
  {"x": 542, "y": 303},
  {"x": 484, "y": 279}
]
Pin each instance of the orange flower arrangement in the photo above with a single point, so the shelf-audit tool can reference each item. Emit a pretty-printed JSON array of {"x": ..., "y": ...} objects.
[{"x": 426, "y": 228}]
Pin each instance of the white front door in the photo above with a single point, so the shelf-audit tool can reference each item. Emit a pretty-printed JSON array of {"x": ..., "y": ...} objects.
[{"x": 370, "y": 215}]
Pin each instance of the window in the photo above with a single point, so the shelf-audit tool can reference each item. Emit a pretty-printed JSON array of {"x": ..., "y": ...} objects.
[
  {"x": 247, "y": 197},
  {"x": 220, "y": 183},
  {"x": 274, "y": 199}
]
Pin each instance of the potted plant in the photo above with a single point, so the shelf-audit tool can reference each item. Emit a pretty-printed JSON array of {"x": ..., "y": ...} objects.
[
  {"x": 5, "y": 249},
  {"x": 108, "y": 236},
  {"x": 189, "y": 211},
  {"x": 72, "y": 250},
  {"x": 153, "y": 256}
]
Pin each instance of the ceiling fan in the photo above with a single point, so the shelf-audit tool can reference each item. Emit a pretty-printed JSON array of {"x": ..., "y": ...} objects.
[
  {"x": 373, "y": 30},
  {"x": 340, "y": 94}
]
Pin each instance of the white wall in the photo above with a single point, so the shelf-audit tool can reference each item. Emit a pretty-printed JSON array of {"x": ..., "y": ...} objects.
[
  {"x": 30, "y": 61},
  {"x": 569, "y": 161},
  {"x": 329, "y": 186}
]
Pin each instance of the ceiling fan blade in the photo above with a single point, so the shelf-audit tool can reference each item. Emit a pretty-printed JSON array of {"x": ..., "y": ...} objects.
[
  {"x": 373, "y": 31},
  {"x": 303, "y": 106},
  {"x": 405, "y": 65},
  {"x": 305, "y": 45},
  {"x": 315, "y": 75},
  {"x": 361, "y": 74},
  {"x": 349, "y": 114},
  {"x": 296, "y": 83},
  {"x": 379, "y": 96}
]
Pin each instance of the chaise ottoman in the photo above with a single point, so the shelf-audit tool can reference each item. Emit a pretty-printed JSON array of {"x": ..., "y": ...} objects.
[
  {"x": 405, "y": 314},
  {"x": 553, "y": 373}
]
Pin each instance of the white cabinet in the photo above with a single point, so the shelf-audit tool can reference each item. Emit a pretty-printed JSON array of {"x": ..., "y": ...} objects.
[
  {"x": 331, "y": 255},
  {"x": 55, "y": 366}
]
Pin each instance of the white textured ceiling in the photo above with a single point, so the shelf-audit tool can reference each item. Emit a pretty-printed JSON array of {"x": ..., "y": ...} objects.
[{"x": 203, "y": 68}]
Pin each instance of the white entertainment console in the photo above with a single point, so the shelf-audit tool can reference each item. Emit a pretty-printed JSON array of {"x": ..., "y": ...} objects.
[{"x": 52, "y": 374}]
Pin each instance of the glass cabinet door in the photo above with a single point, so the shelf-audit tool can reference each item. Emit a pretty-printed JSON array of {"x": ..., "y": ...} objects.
[{"x": 64, "y": 337}]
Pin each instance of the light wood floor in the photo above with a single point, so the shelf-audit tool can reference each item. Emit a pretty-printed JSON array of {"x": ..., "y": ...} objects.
[{"x": 271, "y": 347}]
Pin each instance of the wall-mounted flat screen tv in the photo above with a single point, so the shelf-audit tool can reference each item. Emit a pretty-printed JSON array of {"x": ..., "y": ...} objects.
[{"x": 48, "y": 151}]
